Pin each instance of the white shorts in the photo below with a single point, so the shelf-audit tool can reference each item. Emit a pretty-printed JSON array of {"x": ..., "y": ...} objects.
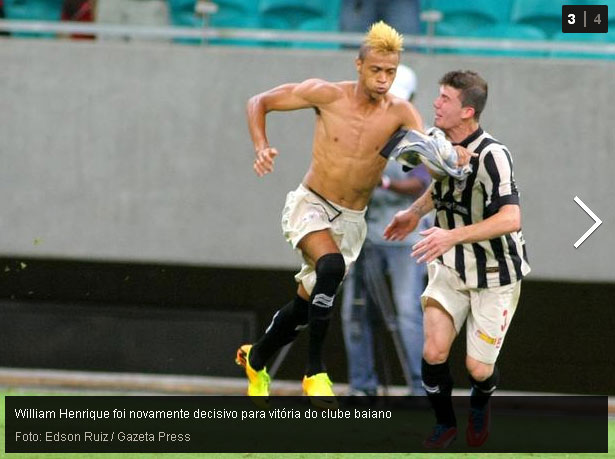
[
  {"x": 488, "y": 311},
  {"x": 305, "y": 212}
]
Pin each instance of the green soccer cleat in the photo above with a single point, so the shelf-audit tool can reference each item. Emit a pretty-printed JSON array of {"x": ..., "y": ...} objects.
[
  {"x": 319, "y": 388},
  {"x": 258, "y": 381}
]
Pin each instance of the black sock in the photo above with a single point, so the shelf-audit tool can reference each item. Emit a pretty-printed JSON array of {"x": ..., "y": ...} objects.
[
  {"x": 286, "y": 324},
  {"x": 438, "y": 384},
  {"x": 330, "y": 270},
  {"x": 482, "y": 390}
]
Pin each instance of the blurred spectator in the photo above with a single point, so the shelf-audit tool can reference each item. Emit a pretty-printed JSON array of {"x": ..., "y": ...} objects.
[
  {"x": 133, "y": 12},
  {"x": 80, "y": 11},
  {"x": 360, "y": 307},
  {"x": 2, "y": 16},
  {"x": 358, "y": 15}
]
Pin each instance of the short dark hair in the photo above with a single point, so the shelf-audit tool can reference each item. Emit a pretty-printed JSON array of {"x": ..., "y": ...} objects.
[{"x": 472, "y": 86}]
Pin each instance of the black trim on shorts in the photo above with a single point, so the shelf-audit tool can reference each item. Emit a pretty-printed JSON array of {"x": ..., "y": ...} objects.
[{"x": 335, "y": 209}]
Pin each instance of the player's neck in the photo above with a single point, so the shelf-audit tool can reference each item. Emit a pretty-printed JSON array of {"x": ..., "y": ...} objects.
[
  {"x": 364, "y": 98},
  {"x": 459, "y": 133}
]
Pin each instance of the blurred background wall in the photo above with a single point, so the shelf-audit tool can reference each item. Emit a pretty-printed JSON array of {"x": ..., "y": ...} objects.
[{"x": 141, "y": 152}]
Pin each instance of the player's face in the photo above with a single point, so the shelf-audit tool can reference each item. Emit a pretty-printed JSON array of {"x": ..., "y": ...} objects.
[
  {"x": 377, "y": 72},
  {"x": 448, "y": 110}
]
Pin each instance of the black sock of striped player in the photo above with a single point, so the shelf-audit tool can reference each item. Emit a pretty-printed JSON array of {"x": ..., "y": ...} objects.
[
  {"x": 438, "y": 384},
  {"x": 482, "y": 390},
  {"x": 286, "y": 324},
  {"x": 330, "y": 270}
]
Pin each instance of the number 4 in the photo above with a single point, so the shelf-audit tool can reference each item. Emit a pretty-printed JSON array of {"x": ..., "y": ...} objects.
[{"x": 597, "y": 19}]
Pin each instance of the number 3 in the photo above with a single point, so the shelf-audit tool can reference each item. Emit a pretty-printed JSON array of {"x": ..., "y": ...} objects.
[{"x": 571, "y": 19}]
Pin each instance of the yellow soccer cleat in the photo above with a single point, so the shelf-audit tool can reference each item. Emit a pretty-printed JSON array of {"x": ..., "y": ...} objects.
[
  {"x": 258, "y": 381},
  {"x": 319, "y": 388}
]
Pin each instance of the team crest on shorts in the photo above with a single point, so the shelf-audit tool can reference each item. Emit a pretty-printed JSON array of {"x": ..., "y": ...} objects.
[{"x": 311, "y": 215}]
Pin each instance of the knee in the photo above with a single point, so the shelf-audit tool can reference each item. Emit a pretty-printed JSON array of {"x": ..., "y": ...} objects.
[
  {"x": 433, "y": 354},
  {"x": 332, "y": 267},
  {"x": 479, "y": 371}
]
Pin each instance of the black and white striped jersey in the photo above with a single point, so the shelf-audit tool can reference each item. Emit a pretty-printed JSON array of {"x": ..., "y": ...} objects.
[{"x": 489, "y": 263}]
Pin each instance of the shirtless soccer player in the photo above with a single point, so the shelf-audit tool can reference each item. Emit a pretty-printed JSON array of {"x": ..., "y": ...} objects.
[{"x": 324, "y": 217}]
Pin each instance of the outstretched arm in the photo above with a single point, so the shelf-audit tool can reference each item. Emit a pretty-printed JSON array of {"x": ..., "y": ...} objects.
[
  {"x": 292, "y": 96},
  {"x": 437, "y": 240}
]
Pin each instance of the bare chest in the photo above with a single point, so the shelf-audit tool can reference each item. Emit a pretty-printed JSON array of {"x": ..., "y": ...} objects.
[{"x": 359, "y": 134}]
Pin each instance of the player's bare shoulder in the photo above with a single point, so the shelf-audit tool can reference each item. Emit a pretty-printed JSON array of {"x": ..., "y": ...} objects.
[
  {"x": 320, "y": 92},
  {"x": 406, "y": 111}
]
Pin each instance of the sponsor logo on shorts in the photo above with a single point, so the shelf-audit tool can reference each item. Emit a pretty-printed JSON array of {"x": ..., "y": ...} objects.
[
  {"x": 485, "y": 337},
  {"x": 323, "y": 301},
  {"x": 497, "y": 342},
  {"x": 505, "y": 315}
]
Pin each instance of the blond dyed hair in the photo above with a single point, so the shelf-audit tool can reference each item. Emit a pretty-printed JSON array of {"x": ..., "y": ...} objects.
[{"x": 381, "y": 38}]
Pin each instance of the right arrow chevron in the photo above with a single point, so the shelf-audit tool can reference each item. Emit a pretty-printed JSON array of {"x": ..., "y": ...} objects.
[{"x": 597, "y": 222}]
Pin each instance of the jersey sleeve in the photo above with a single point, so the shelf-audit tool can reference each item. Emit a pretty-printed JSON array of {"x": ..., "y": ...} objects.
[{"x": 498, "y": 179}]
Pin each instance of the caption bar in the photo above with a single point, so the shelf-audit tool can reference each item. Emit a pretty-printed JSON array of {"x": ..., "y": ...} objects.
[{"x": 291, "y": 424}]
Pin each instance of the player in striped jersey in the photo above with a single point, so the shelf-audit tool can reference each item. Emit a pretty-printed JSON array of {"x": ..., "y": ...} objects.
[{"x": 476, "y": 259}]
